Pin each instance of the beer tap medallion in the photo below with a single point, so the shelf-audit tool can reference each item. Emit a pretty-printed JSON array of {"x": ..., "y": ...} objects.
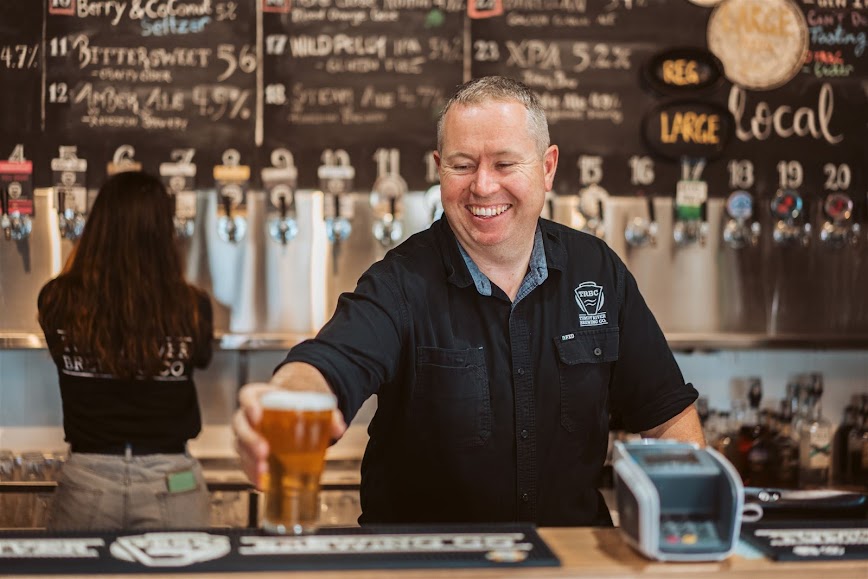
[
  {"x": 786, "y": 205},
  {"x": 739, "y": 205},
  {"x": 838, "y": 207},
  {"x": 761, "y": 43}
]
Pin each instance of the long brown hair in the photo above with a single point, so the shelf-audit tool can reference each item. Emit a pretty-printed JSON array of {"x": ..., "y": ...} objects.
[{"x": 123, "y": 292}]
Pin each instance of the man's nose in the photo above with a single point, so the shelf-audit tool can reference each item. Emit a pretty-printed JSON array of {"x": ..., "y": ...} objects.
[{"x": 485, "y": 182}]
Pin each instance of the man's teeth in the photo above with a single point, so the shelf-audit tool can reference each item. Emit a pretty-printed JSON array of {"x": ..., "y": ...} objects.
[{"x": 488, "y": 211}]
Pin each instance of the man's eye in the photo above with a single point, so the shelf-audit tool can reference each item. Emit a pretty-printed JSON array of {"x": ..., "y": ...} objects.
[{"x": 504, "y": 165}]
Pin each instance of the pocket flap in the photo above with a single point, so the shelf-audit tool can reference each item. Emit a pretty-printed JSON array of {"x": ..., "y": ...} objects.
[
  {"x": 453, "y": 358},
  {"x": 588, "y": 347}
]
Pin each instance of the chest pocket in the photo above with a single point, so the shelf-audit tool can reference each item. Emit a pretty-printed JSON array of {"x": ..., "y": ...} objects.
[
  {"x": 451, "y": 405},
  {"x": 584, "y": 368}
]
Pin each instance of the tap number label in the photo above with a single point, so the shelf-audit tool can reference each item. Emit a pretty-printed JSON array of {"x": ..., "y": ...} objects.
[
  {"x": 790, "y": 174},
  {"x": 590, "y": 169},
  {"x": 740, "y": 174},
  {"x": 837, "y": 177},
  {"x": 275, "y": 44},
  {"x": 641, "y": 170}
]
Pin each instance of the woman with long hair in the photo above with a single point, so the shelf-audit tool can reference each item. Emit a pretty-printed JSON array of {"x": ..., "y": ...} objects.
[{"x": 125, "y": 331}]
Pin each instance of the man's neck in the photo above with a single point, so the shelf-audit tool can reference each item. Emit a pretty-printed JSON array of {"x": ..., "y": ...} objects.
[{"x": 505, "y": 267}]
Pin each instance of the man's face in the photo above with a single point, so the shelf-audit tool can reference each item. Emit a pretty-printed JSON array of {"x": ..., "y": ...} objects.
[{"x": 493, "y": 180}]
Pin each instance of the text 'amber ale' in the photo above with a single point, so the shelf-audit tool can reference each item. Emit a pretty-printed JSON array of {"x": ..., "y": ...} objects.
[{"x": 296, "y": 426}]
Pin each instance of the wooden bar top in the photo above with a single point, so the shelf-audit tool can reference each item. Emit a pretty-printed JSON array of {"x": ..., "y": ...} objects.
[{"x": 584, "y": 552}]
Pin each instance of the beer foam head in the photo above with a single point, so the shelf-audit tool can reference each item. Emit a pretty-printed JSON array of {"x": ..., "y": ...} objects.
[{"x": 292, "y": 400}]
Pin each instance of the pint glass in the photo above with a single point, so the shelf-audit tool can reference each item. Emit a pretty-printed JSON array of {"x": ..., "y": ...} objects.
[{"x": 296, "y": 426}]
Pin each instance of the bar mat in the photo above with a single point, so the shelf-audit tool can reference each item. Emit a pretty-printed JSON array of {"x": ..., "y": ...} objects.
[
  {"x": 809, "y": 540},
  {"x": 226, "y": 550}
]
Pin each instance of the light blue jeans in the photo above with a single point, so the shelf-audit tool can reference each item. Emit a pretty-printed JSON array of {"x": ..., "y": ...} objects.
[{"x": 115, "y": 492}]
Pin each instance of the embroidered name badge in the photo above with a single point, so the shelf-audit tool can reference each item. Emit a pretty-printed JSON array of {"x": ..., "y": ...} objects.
[{"x": 590, "y": 298}]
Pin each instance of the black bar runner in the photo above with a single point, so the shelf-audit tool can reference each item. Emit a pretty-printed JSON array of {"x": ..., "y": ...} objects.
[{"x": 249, "y": 550}]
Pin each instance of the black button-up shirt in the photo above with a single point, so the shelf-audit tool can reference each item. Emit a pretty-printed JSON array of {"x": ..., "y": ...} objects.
[{"x": 489, "y": 410}]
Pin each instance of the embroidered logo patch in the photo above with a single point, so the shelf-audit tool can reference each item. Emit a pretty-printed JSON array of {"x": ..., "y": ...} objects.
[{"x": 590, "y": 298}]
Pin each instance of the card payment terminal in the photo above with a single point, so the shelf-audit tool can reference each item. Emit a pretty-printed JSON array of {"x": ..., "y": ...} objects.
[{"x": 677, "y": 502}]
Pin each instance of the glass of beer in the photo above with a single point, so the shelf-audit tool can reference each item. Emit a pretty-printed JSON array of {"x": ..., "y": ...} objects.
[{"x": 297, "y": 427}]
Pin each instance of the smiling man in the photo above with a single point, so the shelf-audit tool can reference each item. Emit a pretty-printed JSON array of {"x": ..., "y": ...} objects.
[{"x": 498, "y": 343}]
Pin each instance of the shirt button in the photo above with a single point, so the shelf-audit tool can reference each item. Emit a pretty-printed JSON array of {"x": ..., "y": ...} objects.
[
  {"x": 520, "y": 371},
  {"x": 524, "y": 433},
  {"x": 597, "y": 351},
  {"x": 524, "y": 498}
]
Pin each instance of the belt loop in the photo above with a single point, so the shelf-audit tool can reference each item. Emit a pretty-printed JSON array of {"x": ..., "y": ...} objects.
[{"x": 128, "y": 452}]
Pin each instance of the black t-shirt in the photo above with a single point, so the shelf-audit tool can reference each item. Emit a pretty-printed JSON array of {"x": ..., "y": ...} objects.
[
  {"x": 489, "y": 412},
  {"x": 101, "y": 411}
]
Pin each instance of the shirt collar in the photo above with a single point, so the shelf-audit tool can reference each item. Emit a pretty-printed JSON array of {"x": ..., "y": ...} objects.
[
  {"x": 457, "y": 270},
  {"x": 537, "y": 269}
]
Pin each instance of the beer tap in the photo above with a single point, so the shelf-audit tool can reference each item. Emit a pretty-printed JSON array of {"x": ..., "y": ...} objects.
[
  {"x": 231, "y": 178},
  {"x": 787, "y": 208},
  {"x": 179, "y": 178},
  {"x": 5, "y": 220},
  {"x": 691, "y": 229},
  {"x": 690, "y": 209},
  {"x": 69, "y": 178},
  {"x": 388, "y": 189},
  {"x": 433, "y": 202},
  {"x": 739, "y": 231},
  {"x": 590, "y": 208},
  {"x": 642, "y": 231},
  {"x": 16, "y": 194},
  {"x": 336, "y": 176},
  {"x": 839, "y": 228},
  {"x": 280, "y": 181}
]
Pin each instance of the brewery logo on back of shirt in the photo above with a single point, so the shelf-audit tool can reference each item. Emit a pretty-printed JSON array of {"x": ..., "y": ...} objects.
[{"x": 591, "y": 298}]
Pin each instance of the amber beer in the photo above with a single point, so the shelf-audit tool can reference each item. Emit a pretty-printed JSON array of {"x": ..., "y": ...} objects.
[{"x": 297, "y": 427}]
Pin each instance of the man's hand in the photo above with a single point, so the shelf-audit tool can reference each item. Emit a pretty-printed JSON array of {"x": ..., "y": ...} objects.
[{"x": 251, "y": 446}]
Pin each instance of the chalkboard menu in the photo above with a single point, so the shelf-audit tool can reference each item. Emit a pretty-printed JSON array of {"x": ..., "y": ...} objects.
[
  {"x": 585, "y": 59},
  {"x": 155, "y": 76},
  {"x": 21, "y": 54},
  {"x": 770, "y": 93},
  {"x": 360, "y": 75}
]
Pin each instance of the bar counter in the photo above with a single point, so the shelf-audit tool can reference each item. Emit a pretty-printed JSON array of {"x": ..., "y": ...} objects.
[{"x": 583, "y": 552}]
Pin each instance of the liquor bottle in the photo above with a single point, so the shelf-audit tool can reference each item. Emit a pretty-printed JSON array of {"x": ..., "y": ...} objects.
[
  {"x": 840, "y": 446},
  {"x": 785, "y": 450},
  {"x": 815, "y": 440},
  {"x": 857, "y": 455},
  {"x": 753, "y": 440}
]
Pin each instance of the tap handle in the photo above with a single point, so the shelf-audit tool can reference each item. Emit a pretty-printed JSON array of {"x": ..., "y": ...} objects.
[
  {"x": 551, "y": 204},
  {"x": 600, "y": 210},
  {"x": 4, "y": 201},
  {"x": 282, "y": 201},
  {"x": 393, "y": 205},
  {"x": 337, "y": 202},
  {"x": 703, "y": 211},
  {"x": 227, "y": 205},
  {"x": 650, "y": 201}
]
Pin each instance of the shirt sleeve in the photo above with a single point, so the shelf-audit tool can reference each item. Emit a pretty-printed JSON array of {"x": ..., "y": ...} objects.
[
  {"x": 360, "y": 348},
  {"x": 647, "y": 387}
]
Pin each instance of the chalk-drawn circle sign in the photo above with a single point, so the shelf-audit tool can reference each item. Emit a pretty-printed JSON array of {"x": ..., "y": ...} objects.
[{"x": 761, "y": 43}]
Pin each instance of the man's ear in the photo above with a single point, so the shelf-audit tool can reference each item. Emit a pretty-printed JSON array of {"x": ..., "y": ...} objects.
[
  {"x": 437, "y": 158},
  {"x": 550, "y": 165}
]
